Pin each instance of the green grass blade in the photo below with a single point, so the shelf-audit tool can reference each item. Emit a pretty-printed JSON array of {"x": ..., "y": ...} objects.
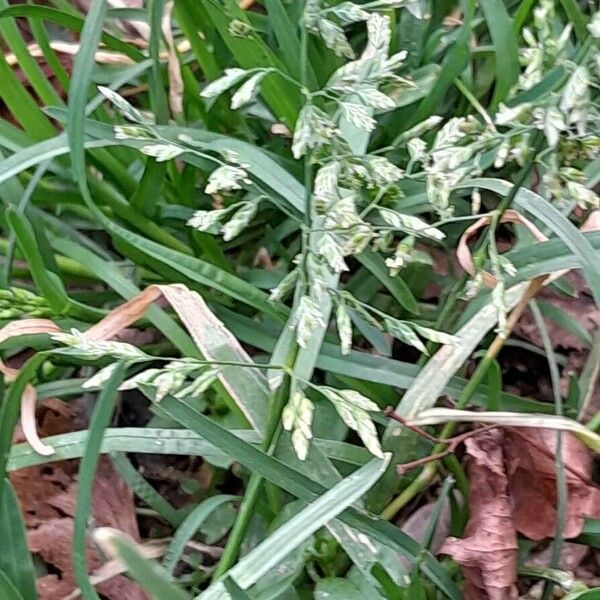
[
  {"x": 590, "y": 535},
  {"x": 576, "y": 16},
  {"x": 368, "y": 367},
  {"x": 186, "y": 12},
  {"x": 28, "y": 65},
  {"x": 79, "y": 89},
  {"x": 150, "y": 186},
  {"x": 234, "y": 590},
  {"x": 304, "y": 488},
  {"x": 265, "y": 557},
  {"x": 455, "y": 62},
  {"x": 46, "y": 281},
  {"x": 506, "y": 48},
  {"x": 22, "y": 105},
  {"x": 261, "y": 164},
  {"x": 433, "y": 378},
  {"x": 151, "y": 440},
  {"x": 251, "y": 52},
  {"x": 35, "y": 154},
  {"x": 15, "y": 561},
  {"x": 286, "y": 33},
  {"x": 522, "y": 13},
  {"x": 189, "y": 526},
  {"x": 396, "y": 285},
  {"x": 565, "y": 321},
  {"x": 87, "y": 471},
  {"x": 143, "y": 490},
  {"x": 8, "y": 591},
  {"x": 197, "y": 270},
  {"x": 41, "y": 37}
]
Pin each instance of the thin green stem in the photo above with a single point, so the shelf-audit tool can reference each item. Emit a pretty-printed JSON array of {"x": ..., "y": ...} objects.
[
  {"x": 561, "y": 482},
  {"x": 280, "y": 397},
  {"x": 466, "y": 92},
  {"x": 253, "y": 490},
  {"x": 425, "y": 477}
]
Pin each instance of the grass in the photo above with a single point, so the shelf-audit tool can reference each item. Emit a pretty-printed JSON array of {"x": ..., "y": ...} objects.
[{"x": 310, "y": 218}]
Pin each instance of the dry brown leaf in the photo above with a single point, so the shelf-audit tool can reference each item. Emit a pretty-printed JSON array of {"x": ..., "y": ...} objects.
[
  {"x": 488, "y": 552},
  {"x": 529, "y": 455},
  {"x": 583, "y": 309},
  {"x": 48, "y": 498},
  {"x": 512, "y": 477},
  {"x": 47, "y": 494}
]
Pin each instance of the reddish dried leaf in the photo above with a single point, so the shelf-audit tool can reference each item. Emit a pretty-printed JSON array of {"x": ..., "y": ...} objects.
[
  {"x": 532, "y": 482},
  {"x": 48, "y": 496},
  {"x": 488, "y": 552}
]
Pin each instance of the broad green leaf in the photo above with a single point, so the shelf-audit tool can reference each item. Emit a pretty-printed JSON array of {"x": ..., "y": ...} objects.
[
  {"x": 590, "y": 536},
  {"x": 8, "y": 590},
  {"x": 149, "y": 440},
  {"x": 301, "y": 526},
  {"x": 304, "y": 488}
]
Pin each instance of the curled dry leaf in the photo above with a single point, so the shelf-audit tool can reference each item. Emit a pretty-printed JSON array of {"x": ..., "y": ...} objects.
[
  {"x": 17, "y": 329},
  {"x": 463, "y": 252},
  {"x": 201, "y": 323},
  {"x": 488, "y": 552}
]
